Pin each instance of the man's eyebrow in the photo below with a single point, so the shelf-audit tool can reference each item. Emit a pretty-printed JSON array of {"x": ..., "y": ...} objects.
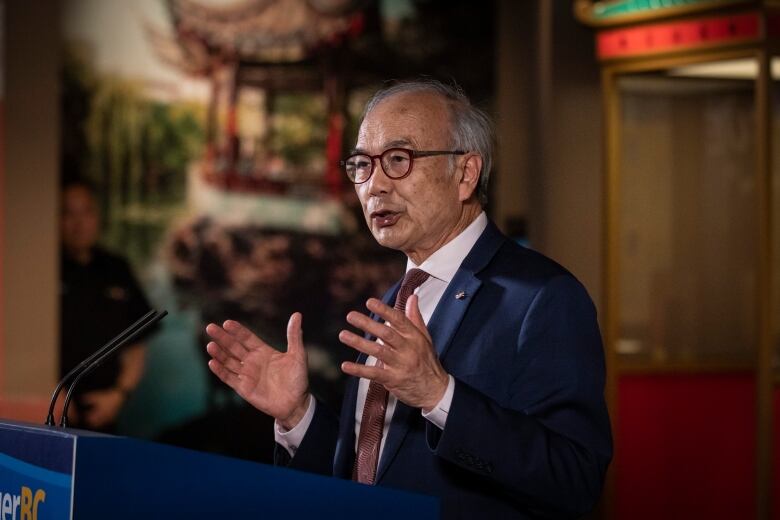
[{"x": 396, "y": 143}]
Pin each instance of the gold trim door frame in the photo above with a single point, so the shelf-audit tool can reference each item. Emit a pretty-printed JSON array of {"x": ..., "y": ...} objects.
[{"x": 758, "y": 355}]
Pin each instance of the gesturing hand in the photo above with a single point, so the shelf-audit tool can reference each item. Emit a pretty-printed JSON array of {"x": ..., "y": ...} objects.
[
  {"x": 409, "y": 368},
  {"x": 102, "y": 407},
  {"x": 276, "y": 383}
]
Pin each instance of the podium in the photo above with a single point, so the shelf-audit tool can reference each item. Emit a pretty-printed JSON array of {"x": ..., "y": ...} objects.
[{"x": 55, "y": 473}]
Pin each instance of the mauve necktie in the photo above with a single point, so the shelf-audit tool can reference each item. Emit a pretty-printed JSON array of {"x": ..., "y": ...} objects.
[{"x": 373, "y": 420}]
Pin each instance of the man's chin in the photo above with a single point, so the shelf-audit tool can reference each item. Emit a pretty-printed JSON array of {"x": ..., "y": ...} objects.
[{"x": 387, "y": 237}]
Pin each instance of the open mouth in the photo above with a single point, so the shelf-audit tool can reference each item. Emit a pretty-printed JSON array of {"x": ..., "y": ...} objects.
[{"x": 384, "y": 218}]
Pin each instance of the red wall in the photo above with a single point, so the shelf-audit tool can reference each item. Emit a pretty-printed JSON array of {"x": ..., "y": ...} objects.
[{"x": 686, "y": 447}]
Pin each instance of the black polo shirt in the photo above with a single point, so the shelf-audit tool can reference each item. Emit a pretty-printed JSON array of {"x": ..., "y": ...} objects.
[{"x": 98, "y": 301}]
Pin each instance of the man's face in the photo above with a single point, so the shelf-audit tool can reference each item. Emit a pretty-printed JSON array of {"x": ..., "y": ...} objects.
[
  {"x": 419, "y": 213},
  {"x": 80, "y": 224}
]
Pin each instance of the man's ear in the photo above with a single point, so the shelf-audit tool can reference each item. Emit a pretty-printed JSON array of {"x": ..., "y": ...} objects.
[{"x": 469, "y": 180}]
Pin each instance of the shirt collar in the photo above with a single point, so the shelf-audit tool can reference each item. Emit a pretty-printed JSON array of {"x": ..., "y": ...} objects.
[{"x": 445, "y": 261}]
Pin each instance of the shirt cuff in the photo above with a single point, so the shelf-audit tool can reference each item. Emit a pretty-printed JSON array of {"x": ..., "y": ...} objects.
[
  {"x": 291, "y": 439},
  {"x": 438, "y": 415}
]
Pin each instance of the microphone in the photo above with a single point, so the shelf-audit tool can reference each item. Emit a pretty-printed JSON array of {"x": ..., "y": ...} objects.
[
  {"x": 157, "y": 316},
  {"x": 78, "y": 368}
]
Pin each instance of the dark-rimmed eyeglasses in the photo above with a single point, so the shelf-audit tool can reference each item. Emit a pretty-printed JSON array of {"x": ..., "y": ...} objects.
[{"x": 396, "y": 162}]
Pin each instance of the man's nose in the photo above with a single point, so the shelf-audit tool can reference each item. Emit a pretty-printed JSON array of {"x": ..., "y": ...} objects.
[{"x": 379, "y": 182}]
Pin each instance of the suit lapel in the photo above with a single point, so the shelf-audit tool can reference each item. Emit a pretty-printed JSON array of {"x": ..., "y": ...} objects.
[
  {"x": 345, "y": 447},
  {"x": 445, "y": 320},
  {"x": 442, "y": 326},
  {"x": 462, "y": 289},
  {"x": 402, "y": 419},
  {"x": 451, "y": 309}
]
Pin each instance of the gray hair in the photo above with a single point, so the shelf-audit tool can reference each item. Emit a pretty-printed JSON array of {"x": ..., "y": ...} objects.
[{"x": 471, "y": 128}]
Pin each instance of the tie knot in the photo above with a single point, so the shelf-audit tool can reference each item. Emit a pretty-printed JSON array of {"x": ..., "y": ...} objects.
[{"x": 413, "y": 279}]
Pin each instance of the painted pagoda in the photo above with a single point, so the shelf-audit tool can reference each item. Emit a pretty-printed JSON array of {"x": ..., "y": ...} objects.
[{"x": 250, "y": 52}]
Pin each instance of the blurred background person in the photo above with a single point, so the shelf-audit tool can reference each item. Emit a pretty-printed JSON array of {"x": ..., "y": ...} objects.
[{"x": 99, "y": 298}]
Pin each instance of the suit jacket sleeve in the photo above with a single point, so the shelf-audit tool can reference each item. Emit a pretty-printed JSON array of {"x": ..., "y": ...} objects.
[
  {"x": 315, "y": 454},
  {"x": 547, "y": 446}
]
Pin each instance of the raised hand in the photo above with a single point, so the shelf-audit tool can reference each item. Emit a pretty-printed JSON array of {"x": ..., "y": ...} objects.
[
  {"x": 276, "y": 383},
  {"x": 410, "y": 368},
  {"x": 102, "y": 407}
]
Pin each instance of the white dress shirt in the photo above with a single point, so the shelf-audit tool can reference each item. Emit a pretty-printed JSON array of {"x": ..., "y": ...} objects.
[{"x": 441, "y": 266}]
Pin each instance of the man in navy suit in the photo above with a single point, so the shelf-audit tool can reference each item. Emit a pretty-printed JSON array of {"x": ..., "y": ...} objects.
[{"x": 480, "y": 377}]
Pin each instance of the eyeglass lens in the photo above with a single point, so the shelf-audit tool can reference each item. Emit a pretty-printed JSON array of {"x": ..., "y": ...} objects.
[{"x": 395, "y": 163}]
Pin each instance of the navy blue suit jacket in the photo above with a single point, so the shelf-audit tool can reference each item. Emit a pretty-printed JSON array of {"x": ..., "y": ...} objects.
[{"x": 528, "y": 433}]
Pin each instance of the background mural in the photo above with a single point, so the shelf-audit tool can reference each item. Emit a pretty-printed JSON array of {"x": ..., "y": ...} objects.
[{"x": 213, "y": 130}]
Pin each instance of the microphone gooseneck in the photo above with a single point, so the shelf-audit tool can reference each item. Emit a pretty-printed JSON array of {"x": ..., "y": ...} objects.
[
  {"x": 50, "y": 421},
  {"x": 104, "y": 354}
]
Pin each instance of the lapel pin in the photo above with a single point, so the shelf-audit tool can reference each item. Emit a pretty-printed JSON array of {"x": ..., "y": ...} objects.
[{"x": 460, "y": 295}]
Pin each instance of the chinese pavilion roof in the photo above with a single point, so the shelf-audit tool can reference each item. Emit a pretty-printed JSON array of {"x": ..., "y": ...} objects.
[{"x": 265, "y": 31}]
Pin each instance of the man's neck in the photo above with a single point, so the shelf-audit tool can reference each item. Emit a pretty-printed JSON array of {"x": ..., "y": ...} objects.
[{"x": 470, "y": 212}]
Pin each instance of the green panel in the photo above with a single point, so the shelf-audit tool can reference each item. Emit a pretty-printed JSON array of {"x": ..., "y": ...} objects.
[{"x": 605, "y": 10}]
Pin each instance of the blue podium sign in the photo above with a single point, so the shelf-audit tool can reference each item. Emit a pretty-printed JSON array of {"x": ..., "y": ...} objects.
[
  {"x": 48, "y": 472},
  {"x": 36, "y": 472}
]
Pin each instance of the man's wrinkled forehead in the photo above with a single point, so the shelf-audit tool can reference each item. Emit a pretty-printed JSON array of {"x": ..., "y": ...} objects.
[
  {"x": 421, "y": 103},
  {"x": 404, "y": 120},
  {"x": 403, "y": 142}
]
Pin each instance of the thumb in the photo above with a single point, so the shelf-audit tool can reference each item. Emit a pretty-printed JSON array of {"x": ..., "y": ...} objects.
[
  {"x": 295, "y": 334},
  {"x": 413, "y": 312}
]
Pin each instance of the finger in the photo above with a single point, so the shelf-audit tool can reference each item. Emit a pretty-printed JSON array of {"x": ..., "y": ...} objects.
[
  {"x": 392, "y": 316},
  {"x": 230, "y": 343},
  {"x": 228, "y": 377},
  {"x": 387, "y": 313},
  {"x": 228, "y": 361},
  {"x": 226, "y": 341},
  {"x": 374, "y": 373},
  {"x": 371, "y": 348},
  {"x": 247, "y": 338},
  {"x": 295, "y": 334},
  {"x": 374, "y": 328}
]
